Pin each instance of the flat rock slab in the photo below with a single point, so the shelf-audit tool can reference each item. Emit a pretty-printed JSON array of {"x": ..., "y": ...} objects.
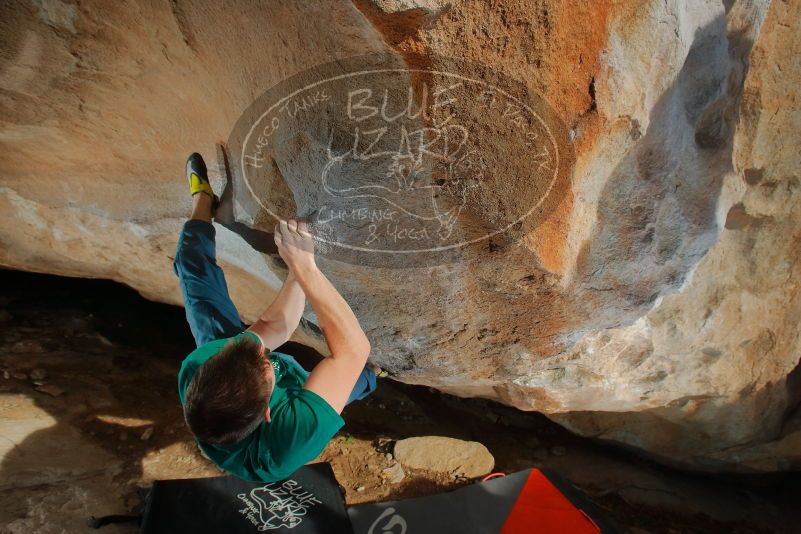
[
  {"x": 37, "y": 449},
  {"x": 445, "y": 455}
]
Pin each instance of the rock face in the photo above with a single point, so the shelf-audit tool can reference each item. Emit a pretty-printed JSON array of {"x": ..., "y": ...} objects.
[
  {"x": 656, "y": 304},
  {"x": 445, "y": 455}
]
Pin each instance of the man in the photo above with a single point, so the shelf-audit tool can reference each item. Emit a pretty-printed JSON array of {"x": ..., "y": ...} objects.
[{"x": 254, "y": 412}]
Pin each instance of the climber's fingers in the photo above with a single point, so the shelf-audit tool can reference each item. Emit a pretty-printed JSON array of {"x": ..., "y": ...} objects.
[{"x": 303, "y": 229}]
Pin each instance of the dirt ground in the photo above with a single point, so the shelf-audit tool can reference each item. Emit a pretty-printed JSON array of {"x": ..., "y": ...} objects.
[{"x": 89, "y": 417}]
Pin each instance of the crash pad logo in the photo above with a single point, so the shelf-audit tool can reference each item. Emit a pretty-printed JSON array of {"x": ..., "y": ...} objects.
[
  {"x": 387, "y": 522},
  {"x": 389, "y": 160},
  {"x": 274, "y": 506}
]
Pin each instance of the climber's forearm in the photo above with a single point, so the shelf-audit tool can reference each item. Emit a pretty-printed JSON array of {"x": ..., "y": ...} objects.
[
  {"x": 333, "y": 378},
  {"x": 343, "y": 334},
  {"x": 281, "y": 318}
]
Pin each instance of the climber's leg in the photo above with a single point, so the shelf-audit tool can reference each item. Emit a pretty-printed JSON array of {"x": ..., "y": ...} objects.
[
  {"x": 365, "y": 384},
  {"x": 209, "y": 311}
]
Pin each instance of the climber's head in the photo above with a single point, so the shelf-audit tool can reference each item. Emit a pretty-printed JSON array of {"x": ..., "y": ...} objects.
[{"x": 228, "y": 398}]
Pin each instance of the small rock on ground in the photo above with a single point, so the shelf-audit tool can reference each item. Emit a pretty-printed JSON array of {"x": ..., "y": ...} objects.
[
  {"x": 38, "y": 374},
  {"x": 445, "y": 455},
  {"x": 50, "y": 389},
  {"x": 394, "y": 473}
]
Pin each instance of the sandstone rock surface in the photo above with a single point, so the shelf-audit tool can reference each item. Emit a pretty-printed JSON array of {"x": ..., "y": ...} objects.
[
  {"x": 657, "y": 305},
  {"x": 444, "y": 455}
]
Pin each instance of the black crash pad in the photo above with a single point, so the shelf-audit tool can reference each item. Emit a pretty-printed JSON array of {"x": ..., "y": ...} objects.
[{"x": 309, "y": 502}]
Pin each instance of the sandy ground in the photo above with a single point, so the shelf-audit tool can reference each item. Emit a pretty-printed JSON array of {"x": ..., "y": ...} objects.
[{"x": 89, "y": 417}]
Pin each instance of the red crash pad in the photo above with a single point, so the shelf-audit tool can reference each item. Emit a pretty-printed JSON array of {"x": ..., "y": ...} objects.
[{"x": 542, "y": 508}]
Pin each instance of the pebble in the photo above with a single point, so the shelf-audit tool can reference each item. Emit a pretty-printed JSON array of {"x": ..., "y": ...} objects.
[
  {"x": 389, "y": 456},
  {"x": 360, "y": 489},
  {"x": 38, "y": 374},
  {"x": 558, "y": 450},
  {"x": 104, "y": 340},
  {"x": 394, "y": 473},
  {"x": 6, "y": 375},
  {"x": 147, "y": 434},
  {"x": 50, "y": 389},
  {"x": 19, "y": 376}
]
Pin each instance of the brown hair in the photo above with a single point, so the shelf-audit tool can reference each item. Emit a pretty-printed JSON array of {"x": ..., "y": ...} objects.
[{"x": 229, "y": 394}]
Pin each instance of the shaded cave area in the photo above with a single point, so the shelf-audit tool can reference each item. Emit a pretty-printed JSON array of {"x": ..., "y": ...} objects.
[{"x": 91, "y": 418}]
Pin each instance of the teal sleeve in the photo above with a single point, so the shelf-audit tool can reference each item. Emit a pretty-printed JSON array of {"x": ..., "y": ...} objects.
[
  {"x": 252, "y": 335},
  {"x": 299, "y": 431}
]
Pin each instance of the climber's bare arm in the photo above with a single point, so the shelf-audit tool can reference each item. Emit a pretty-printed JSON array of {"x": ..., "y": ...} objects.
[
  {"x": 281, "y": 318},
  {"x": 333, "y": 378}
]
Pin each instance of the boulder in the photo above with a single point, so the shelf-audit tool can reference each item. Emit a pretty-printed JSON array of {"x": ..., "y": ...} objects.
[
  {"x": 443, "y": 455},
  {"x": 654, "y": 302}
]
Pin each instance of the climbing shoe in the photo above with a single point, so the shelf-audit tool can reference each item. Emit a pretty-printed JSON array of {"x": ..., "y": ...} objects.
[
  {"x": 380, "y": 373},
  {"x": 198, "y": 177}
]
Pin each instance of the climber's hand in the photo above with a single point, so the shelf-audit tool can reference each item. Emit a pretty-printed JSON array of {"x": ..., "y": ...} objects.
[{"x": 295, "y": 245}]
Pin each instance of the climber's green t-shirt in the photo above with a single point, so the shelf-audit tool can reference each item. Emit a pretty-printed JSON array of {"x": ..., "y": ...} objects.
[{"x": 301, "y": 425}]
